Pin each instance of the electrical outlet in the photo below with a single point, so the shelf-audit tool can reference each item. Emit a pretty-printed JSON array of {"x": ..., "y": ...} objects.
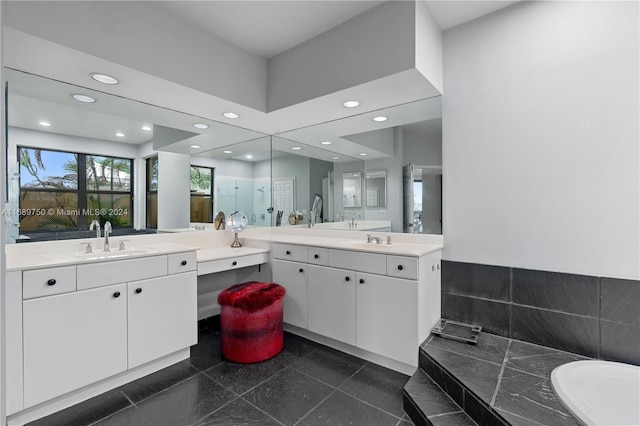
[{"x": 383, "y": 213}]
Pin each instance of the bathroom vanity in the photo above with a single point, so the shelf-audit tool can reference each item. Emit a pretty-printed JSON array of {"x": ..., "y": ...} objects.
[
  {"x": 380, "y": 302},
  {"x": 79, "y": 324}
]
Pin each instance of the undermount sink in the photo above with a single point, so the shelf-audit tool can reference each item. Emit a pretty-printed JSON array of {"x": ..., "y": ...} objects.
[
  {"x": 363, "y": 245},
  {"x": 97, "y": 255},
  {"x": 372, "y": 246}
]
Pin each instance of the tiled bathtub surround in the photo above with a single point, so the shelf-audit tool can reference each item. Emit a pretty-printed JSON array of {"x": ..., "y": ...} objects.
[
  {"x": 499, "y": 381},
  {"x": 594, "y": 316}
]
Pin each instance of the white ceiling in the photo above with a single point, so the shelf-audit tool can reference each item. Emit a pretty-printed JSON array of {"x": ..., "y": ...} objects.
[{"x": 269, "y": 27}]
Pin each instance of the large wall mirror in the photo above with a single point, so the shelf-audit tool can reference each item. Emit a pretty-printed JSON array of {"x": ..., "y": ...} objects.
[
  {"x": 103, "y": 160},
  {"x": 74, "y": 159},
  {"x": 366, "y": 177}
]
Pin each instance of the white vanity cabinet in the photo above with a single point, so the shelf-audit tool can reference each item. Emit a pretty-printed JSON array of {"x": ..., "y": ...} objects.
[
  {"x": 386, "y": 315},
  {"x": 293, "y": 277},
  {"x": 384, "y": 304},
  {"x": 81, "y": 326},
  {"x": 332, "y": 302},
  {"x": 161, "y": 316},
  {"x": 72, "y": 340}
]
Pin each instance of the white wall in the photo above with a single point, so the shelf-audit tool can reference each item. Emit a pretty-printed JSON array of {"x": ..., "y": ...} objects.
[
  {"x": 541, "y": 136},
  {"x": 374, "y": 44},
  {"x": 422, "y": 148},
  {"x": 393, "y": 167},
  {"x": 143, "y": 36},
  {"x": 428, "y": 45},
  {"x": 174, "y": 177}
]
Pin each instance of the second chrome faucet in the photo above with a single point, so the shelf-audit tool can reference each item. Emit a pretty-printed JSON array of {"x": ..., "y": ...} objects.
[{"x": 107, "y": 230}]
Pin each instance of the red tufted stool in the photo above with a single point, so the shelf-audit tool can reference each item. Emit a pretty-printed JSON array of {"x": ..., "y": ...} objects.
[{"x": 251, "y": 321}]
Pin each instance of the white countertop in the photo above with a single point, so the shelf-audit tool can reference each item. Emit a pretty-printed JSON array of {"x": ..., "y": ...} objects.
[
  {"x": 42, "y": 260},
  {"x": 358, "y": 244},
  {"x": 214, "y": 245}
]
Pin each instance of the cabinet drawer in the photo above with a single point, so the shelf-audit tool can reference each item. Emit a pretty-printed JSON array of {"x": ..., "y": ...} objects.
[
  {"x": 289, "y": 252},
  {"x": 318, "y": 256},
  {"x": 182, "y": 262},
  {"x": 121, "y": 271},
  {"x": 231, "y": 263},
  {"x": 45, "y": 282},
  {"x": 358, "y": 261},
  {"x": 402, "y": 267}
]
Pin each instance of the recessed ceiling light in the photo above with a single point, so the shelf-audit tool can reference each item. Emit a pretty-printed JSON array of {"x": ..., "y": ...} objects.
[
  {"x": 325, "y": 143},
  {"x": 103, "y": 78},
  {"x": 363, "y": 154},
  {"x": 350, "y": 104},
  {"x": 380, "y": 118},
  {"x": 83, "y": 98},
  {"x": 147, "y": 128},
  {"x": 120, "y": 135},
  {"x": 249, "y": 156},
  {"x": 231, "y": 115},
  {"x": 195, "y": 146},
  {"x": 201, "y": 126},
  {"x": 227, "y": 152},
  {"x": 45, "y": 123},
  {"x": 335, "y": 158},
  {"x": 296, "y": 148}
]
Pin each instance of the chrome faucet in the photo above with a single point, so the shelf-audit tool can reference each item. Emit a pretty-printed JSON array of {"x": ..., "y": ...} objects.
[
  {"x": 371, "y": 239},
  {"x": 107, "y": 231},
  {"x": 95, "y": 225}
]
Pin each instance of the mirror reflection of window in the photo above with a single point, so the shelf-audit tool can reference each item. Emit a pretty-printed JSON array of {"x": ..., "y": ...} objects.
[
  {"x": 201, "y": 194},
  {"x": 152, "y": 192},
  {"x": 63, "y": 191},
  {"x": 417, "y": 205}
]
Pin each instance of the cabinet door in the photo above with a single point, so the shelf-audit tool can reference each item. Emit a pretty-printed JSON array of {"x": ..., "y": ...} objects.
[
  {"x": 162, "y": 316},
  {"x": 293, "y": 277},
  {"x": 331, "y": 299},
  {"x": 386, "y": 312},
  {"x": 72, "y": 340}
]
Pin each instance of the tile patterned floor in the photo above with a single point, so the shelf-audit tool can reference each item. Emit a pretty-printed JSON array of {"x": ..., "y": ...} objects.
[{"x": 306, "y": 384}]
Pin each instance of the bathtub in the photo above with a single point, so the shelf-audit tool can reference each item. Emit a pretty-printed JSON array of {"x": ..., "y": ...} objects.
[{"x": 599, "y": 392}]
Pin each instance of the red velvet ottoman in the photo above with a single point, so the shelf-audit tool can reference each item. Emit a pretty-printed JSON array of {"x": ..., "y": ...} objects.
[{"x": 251, "y": 321}]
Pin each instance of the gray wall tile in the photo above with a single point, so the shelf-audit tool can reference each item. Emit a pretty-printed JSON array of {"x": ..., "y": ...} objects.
[
  {"x": 471, "y": 279},
  {"x": 570, "y": 333},
  {"x": 492, "y": 316},
  {"x": 575, "y": 294},
  {"x": 595, "y": 316},
  {"x": 620, "y": 300},
  {"x": 620, "y": 342}
]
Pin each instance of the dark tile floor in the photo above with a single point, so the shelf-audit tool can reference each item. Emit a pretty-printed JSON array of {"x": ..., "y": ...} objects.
[{"x": 306, "y": 384}]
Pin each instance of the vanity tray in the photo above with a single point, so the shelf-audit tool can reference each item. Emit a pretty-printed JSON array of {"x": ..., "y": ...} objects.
[{"x": 457, "y": 331}]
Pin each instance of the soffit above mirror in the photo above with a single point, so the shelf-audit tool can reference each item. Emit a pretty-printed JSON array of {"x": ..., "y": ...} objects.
[
  {"x": 34, "y": 99},
  {"x": 360, "y": 134}
]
